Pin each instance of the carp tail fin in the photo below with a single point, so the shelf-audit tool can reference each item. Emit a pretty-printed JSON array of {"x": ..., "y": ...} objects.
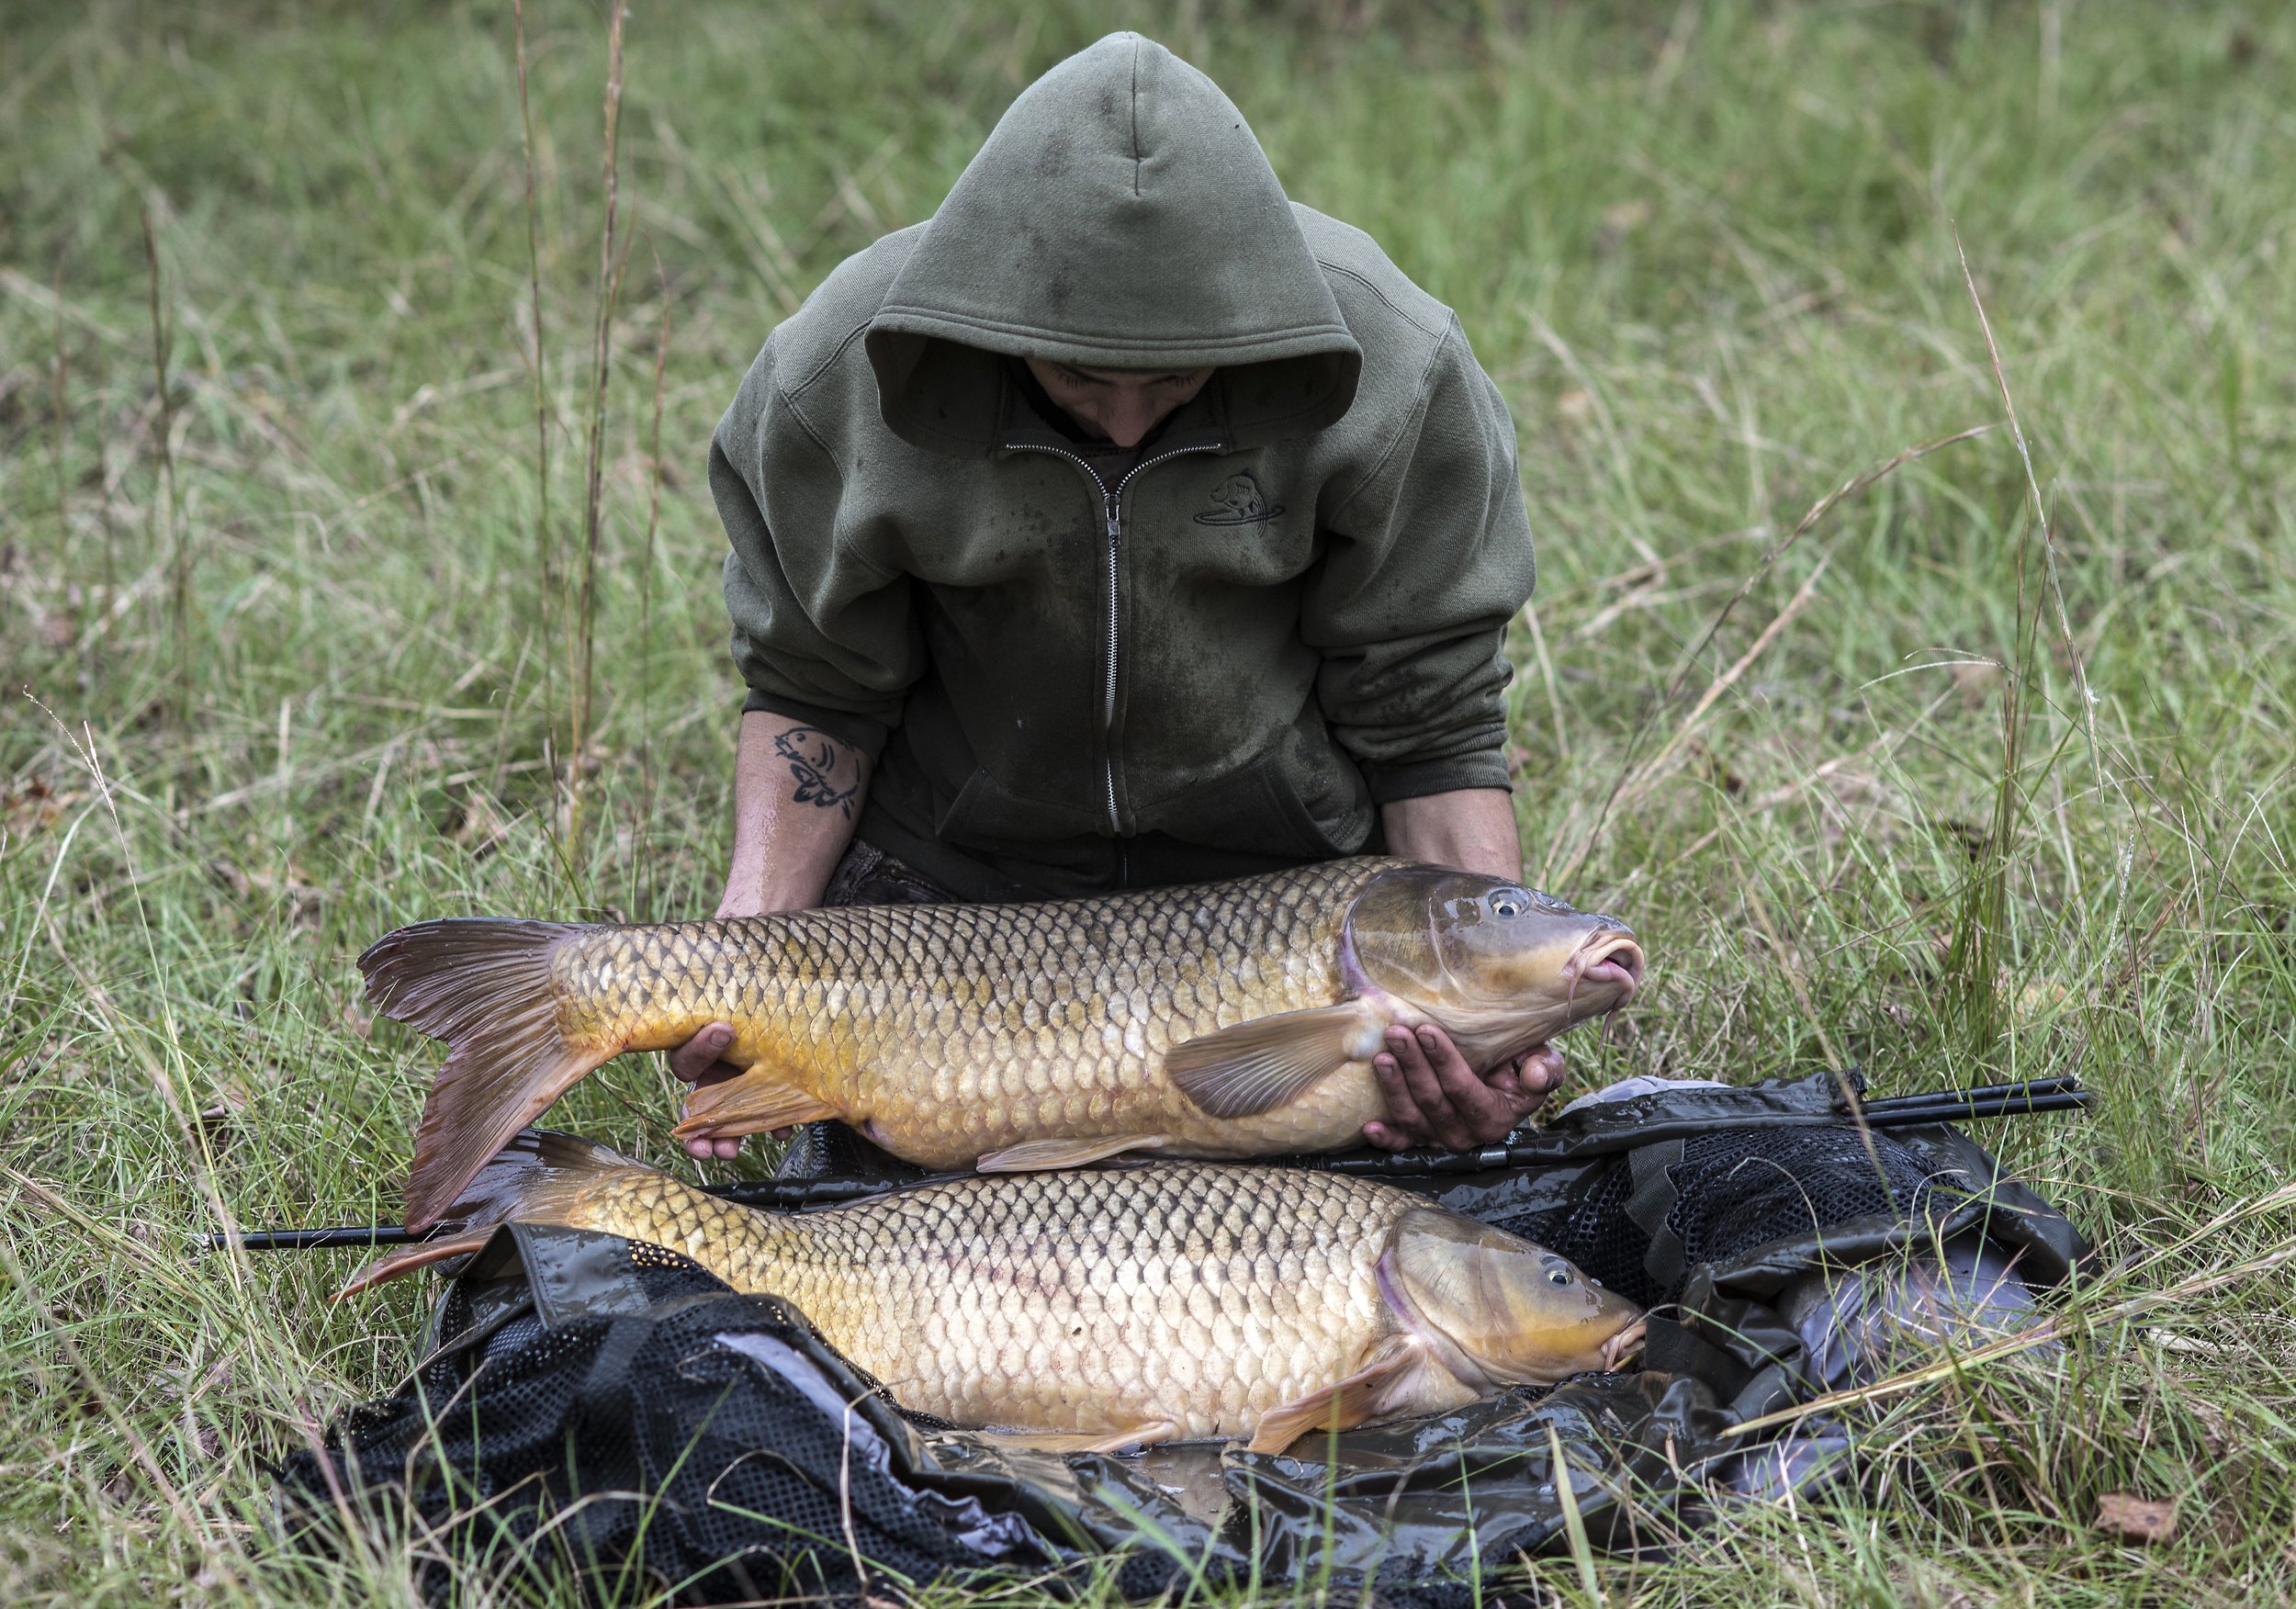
[
  {"x": 406, "y": 1259},
  {"x": 538, "y": 1177},
  {"x": 484, "y": 986}
]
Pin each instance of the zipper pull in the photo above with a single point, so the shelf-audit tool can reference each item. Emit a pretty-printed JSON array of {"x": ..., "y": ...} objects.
[{"x": 1113, "y": 506}]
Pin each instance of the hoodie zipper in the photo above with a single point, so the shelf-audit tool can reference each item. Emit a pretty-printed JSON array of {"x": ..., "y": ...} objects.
[{"x": 1112, "y": 526}]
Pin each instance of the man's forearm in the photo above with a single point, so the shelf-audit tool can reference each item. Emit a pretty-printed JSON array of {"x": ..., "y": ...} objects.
[
  {"x": 797, "y": 793},
  {"x": 1471, "y": 828}
]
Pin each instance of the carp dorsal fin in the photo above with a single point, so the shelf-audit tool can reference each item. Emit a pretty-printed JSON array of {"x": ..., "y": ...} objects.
[
  {"x": 1344, "y": 1404},
  {"x": 1050, "y": 1156},
  {"x": 1257, "y": 1066}
]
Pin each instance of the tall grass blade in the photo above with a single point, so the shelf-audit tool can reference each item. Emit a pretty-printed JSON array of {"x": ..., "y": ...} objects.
[
  {"x": 167, "y": 527},
  {"x": 609, "y": 293},
  {"x": 545, "y": 542}
]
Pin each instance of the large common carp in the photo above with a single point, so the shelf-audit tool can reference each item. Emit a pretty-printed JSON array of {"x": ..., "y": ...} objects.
[
  {"x": 1096, "y": 1310},
  {"x": 1226, "y": 1020}
]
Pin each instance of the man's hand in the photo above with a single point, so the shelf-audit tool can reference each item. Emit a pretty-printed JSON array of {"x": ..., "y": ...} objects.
[
  {"x": 1434, "y": 1098},
  {"x": 696, "y": 1061}
]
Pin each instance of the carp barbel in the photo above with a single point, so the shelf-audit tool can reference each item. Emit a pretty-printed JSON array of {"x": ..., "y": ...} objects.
[
  {"x": 1226, "y": 1020},
  {"x": 1099, "y": 1310}
]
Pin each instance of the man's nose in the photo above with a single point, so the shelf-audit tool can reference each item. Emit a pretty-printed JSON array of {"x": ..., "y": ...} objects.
[{"x": 1129, "y": 418}]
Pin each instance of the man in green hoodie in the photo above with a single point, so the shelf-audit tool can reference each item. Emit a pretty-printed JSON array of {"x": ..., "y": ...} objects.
[{"x": 1123, "y": 524}]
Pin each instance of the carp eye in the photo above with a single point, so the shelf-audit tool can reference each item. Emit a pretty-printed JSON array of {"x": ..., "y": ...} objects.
[
  {"x": 1510, "y": 902},
  {"x": 1558, "y": 1276}
]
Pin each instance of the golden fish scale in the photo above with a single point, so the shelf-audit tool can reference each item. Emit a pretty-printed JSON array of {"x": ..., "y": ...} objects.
[
  {"x": 963, "y": 1028},
  {"x": 1096, "y": 1302}
]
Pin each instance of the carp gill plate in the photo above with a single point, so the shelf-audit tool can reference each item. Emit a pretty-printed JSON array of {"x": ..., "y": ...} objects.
[
  {"x": 1223, "y": 1020},
  {"x": 1098, "y": 1310}
]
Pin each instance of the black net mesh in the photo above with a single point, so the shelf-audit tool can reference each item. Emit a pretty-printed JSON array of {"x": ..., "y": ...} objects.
[
  {"x": 531, "y": 1446},
  {"x": 1736, "y": 1189},
  {"x": 1745, "y": 1187},
  {"x": 1594, "y": 1231}
]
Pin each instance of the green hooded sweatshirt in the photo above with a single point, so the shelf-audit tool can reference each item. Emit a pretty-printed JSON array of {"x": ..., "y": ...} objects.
[{"x": 1287, "y": 613}]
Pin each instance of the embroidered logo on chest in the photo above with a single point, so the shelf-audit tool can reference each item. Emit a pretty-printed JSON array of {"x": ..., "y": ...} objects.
[{"x": 1238, "y": 500}]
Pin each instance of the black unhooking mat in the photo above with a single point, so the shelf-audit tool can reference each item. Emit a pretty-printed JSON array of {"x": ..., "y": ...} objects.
[{"x": 605, "y": 1410}]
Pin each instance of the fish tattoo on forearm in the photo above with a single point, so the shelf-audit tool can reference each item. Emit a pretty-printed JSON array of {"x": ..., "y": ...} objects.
[{"x": 812, "y": 756}]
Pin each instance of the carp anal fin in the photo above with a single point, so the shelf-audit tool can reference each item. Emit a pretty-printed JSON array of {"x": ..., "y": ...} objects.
[
  {"x": 757, "y": 1099},
  {"x": 1360, "y": 1398},
  {"x": 1050, "y": 1156},
  {"x": 1257, "y": 1066},
  {"x": 483, "y": 985},
  {"x": 1083, "y": 1441}
]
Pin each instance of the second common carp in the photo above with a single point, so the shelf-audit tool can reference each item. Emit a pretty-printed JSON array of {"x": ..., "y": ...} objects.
[
  {"x": 1098, "y": 1310},
  {"x": 1222, "y": 1020}
]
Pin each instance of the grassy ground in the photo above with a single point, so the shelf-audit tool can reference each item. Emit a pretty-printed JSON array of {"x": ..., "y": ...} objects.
[{"x": 1943, "y": 793}]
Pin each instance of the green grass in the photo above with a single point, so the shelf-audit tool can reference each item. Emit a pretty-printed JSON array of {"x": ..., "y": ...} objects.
[{"x": 1708, "y": 251}]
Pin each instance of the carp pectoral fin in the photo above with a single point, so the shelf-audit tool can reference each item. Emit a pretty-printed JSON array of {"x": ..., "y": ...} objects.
[
  {"x": 1255, "y": 1067},
  {"x": 1361, "y": 1397},
  {"x": 1050, "y": 1156},
  {"x": 1085, "y": 1440},
  {"x": 756, "y": 1101}
]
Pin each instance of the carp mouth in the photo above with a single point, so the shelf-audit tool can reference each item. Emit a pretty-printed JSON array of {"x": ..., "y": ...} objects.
[{"x": 1611, "y": 960}]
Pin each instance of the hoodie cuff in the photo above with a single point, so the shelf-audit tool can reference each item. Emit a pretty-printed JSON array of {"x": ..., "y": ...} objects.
[
  {"x": 853, "y": 731},
  {"x": 1388, "y": 783}
]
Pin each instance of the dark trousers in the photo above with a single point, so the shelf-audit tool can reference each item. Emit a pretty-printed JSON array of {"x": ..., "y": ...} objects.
[{"x": 868, "y": 876}]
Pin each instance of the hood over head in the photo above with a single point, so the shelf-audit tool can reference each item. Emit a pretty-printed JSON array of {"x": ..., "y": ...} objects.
[{"x": 1120, "y": 216}]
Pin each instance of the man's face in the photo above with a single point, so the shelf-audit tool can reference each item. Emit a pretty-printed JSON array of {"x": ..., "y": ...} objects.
[{"x": 1123, "y": 405}]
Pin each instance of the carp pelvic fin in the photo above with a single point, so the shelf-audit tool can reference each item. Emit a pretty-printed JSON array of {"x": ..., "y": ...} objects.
[
  {"x": 482, "y": 984},
  {"x": 533, "y": 1179},
  {"x": 1050, "y": 1156},
  {"x": 1255, "y": 1067},
  {"x": 1360, "y": 1398},
  {"x": 757, "y": 1100},
  {"x": 1085, "y": 1440}
]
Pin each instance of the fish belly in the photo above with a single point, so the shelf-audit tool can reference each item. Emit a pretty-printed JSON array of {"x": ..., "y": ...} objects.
[{"x": 1328, "y": 1117}]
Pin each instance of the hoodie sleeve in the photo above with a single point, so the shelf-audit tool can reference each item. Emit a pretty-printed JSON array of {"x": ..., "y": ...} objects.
[
  {"x": 819, "y": 633},
  {"x": 1428, "y": 562}
]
